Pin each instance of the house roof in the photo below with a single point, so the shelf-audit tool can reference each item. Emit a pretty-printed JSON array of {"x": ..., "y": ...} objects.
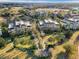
[
  {"x": 74, "y": 19},
  {"x": 27, "y": 23},
  {"x": 0, "y": 31},
  {"x": 46, "y": 21},
  {"x": 50, "y": 20},
  {"x": 10, "y": 25},
  {"x": 55, "y": 22},
  {"x": 17, "y": 22},
  {"x": 25, "y": 17},
  {"x": 22, "y": 22},
  {"x": 41, "y": 22}
]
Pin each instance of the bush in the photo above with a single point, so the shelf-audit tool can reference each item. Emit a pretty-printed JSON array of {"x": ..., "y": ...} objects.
[
  {"x": 23, "y": 42},
  {"x": 68, "y": 33},
  {"x": 2, "y": 42}
]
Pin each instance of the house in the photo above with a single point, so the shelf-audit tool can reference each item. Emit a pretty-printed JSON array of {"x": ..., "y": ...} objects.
[
  {"x": 10, "y": 26},
  {"x": 75, "y": 10},
  {"x": 28, "y": 24},
  {"x": 19, "y": 26},
  {"x": 17, "y": 23},
  {"x": 55, "y": 10},
  {"x": 71, "y": 23},
  {"x": 48, "y": 24}
]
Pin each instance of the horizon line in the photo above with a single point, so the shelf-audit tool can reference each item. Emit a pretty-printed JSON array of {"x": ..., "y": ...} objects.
[{"x": 39, "y": 2}]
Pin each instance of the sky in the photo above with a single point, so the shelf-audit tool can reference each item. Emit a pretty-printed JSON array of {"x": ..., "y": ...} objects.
[{"x": 41, "y": 1}]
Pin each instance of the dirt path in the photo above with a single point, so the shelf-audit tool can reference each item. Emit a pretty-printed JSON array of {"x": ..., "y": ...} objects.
[
  {"x": 8, "y": 47},
  {"x": 78, "y": 52},
  {"x": 9, "y": 52},
  {"x": 71, "y": 40},
  {"x": 74, "y": 37},
  {"x": 35, "y": 31}
]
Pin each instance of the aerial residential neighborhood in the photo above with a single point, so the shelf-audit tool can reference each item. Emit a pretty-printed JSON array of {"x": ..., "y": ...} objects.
[{"x": 39, "y": 31}]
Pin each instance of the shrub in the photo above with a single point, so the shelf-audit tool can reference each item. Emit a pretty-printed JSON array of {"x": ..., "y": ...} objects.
[{"x": 2, "y": 42}]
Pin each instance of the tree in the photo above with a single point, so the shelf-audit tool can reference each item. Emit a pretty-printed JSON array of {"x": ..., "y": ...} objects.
[
  {"x": 68, "y": 33},
  {"x": 60, "y": 16},
  {"x": 2, "y": 42},
  {"x": 24, "y": 12},
  {"x": 4, "y": 28},
  {"x": 23, "y": 42},
  {"x": 5, "y": 12},
  {"x": 59, "y": 21}
]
